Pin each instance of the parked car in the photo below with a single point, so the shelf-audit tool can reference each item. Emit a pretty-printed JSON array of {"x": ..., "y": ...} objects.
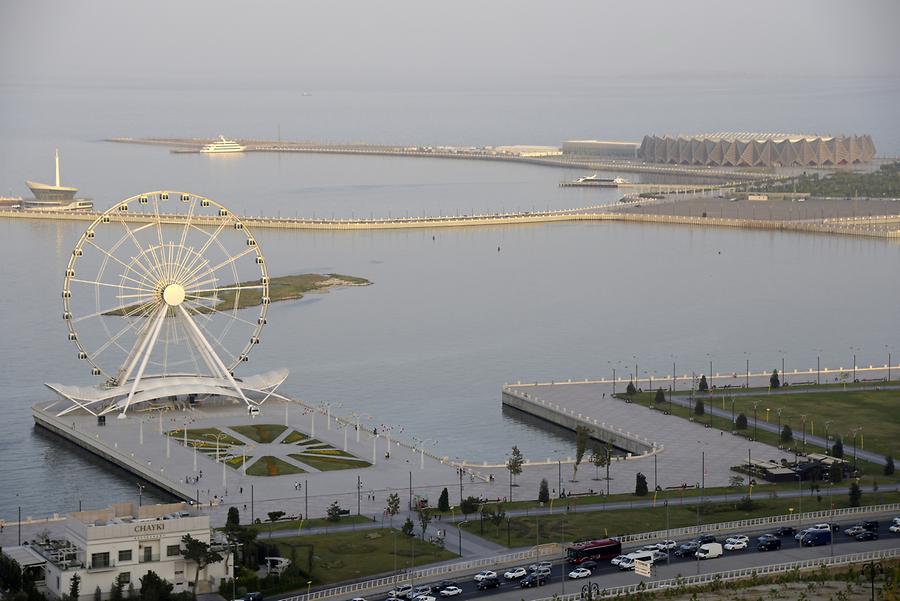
[
  {"x": 534, "y": 579},
  {"x": 488, "y": 582},
  {"x": 867, "y": 535},
  {"x": 735, "y": 545},
  {"x": 709, "y": 551},
  {"x": 768, "y": 542},
  {"x": 515, "y": 573},
  {"x": 485, "y": 574},
  {"x": 580, "y": 573},
  {"x": 785, "y": 531},
  {"x": 451, "y": 591}
]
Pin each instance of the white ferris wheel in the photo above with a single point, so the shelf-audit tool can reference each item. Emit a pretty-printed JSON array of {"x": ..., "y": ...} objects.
[{"x": 165, "y": 295}]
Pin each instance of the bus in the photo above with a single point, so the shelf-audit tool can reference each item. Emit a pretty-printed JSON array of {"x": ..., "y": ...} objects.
[{"x": 595, "y": 550}]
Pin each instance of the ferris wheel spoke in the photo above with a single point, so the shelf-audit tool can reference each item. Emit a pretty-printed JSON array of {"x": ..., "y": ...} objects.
[
  {"x": 228, "y": 354},
  {"x": 229, "y": 261},
  {"x": 113, "y": 340},
  {"x": 147, "y": 278},
  {"x": 152, "y": 271},
  {"x": 184, "y": 232},
  {"x": 211, "y": 290},
  {"x": 205, "y": 247},
  {"x": 119, "y": 286},
  {"x": 159, "y": 236},
  {"x": 107, "y": 312}
]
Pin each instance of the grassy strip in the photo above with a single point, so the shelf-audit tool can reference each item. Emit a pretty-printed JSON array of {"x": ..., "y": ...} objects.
[
  {"x": 272, "y": 466},
  {"x": 261, "y": 433},
  {"x": 294, "y": 437},
  {"x": 205, "y": 436},
  {"x": 327, "y": 464},
  {"x": 771, "y": 438},
  {"x": 264, "y": 527},
  {"x": 531, "y": 530},
  {"x": 339, "y": 556}
]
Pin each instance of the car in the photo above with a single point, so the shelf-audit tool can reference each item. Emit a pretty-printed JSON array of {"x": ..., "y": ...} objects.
[
  {"x": 736, "y": 545},
  {"x": 870, "y": 525},
  {"x": 418, "y": 592},
  {"x": 534, "y": 579},
  {"x": 580, "y": 573},
  {"x": 666, "y": 545},
  {"x": 854, "y": 530},
  {"x": 704, "y": 539},
  {"x": 544, "y": 571},
  {"x": 618, "y": 559},
  {"x": 709, "y": 551},
  {"x": 687, "y": 549},
  {"x": 488, "y": 582},
  {"x": 802, "y": 533},
  {"x": 653, "y": 547},
  {"x": 785, "y": 531},
  {"x": 895, "y": 528},
  {"x": 867, "y": 535},
  {"x": 740, "y": 538},
  {"x": 485, "y": 574},
  {"x": 591, "y": 565},
  {"x": 814, "y": 538},
  {"x": 896, "y": 521},
  {"x": 358, "y": 599},
  {"x": 451, "y": 591},
  {"x": 424, "y": 598},
  {"x": 401, "y": 591},
  {"x": 768, "y": 542},
  {"x": 537, "y": 566},
  {"x": 437, "y": 588},
  {"x": 515, "y": 573},
  {"x": 257, "y": 596}
]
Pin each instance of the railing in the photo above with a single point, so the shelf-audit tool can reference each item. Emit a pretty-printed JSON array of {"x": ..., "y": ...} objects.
[
  {"x": 700, "y": 579},
  {"x": 754, "y": 522},
  {"x": 417, "y": 575}
]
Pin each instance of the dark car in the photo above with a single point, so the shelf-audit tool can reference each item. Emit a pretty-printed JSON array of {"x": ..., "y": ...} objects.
[
  {"x": 591, "y": 565},
  {"x": 486, "y": 583},
  {"x": 686, "y": 549},
  {"x": 814, "y": 538},
  {"x": 870, "y": 525},
  {"x": 442, "y": 585},
  {"x": 785, "y": 531},
  {"x": 534, "y": 579},
  {"x": 768, "y": 542},
  {"x": 253, "y": 597},
  {"x": 867, "y": 535},
  {"x": 704, "y": 539}
]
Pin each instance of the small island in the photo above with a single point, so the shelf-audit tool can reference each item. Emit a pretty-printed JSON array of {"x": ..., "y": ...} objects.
[{"x": 283, "y": 288}]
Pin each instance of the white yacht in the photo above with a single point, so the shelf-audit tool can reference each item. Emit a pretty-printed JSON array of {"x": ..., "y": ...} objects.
[{"x": 222, "y": 145}]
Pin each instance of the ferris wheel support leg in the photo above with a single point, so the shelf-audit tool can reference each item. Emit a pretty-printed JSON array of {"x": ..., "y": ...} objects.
[
  {"x": 136, "y": 352},
  {"x": 201, "y": 347},
  {"x": 158, "y": 319},
  {"x": 212, "y": 353}
]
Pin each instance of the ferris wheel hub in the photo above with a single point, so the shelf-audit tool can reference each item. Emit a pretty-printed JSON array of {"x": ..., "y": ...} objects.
[{"x": 173, "y": 294}]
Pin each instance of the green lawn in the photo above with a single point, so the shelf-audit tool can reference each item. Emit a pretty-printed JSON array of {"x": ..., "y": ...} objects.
[
  {"x": 205, "y": 435},
  {"x": 875, "y": 411},
  {"x": 307, "y": 524},
  {"x": 294, "y": 437},
  {"x": 531, "y": 530},
  {"x": 338, "y": 556},
  {"x": 262, "y": 433},
  {"x": 272, "y": 466},
  {"x": 327, "y": 463}
]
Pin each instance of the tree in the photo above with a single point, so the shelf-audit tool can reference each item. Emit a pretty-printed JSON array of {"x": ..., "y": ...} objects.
[
  {"x": 837, "y": 449},
  {"x": 740, "y": 423},
  {"x": 544, "y": 492},
  {"x": 274, "y": 516},
  {"x": 444, "y": 500},
  {"x": 115, "y": 590},
  {"x": 630, "y": 389},
  {"x": 495, "y": 514},
  {"x": 640, "y": 485},
  {"x": 835, "y": 473},
  {"x": 774, "y": 381},
  {"x": 334, "y": 512},
  {"x": 699, "y": 409},
  {"x": 200, "y": 553},
  {"x": 787, "y": 435},
  {"x": 393, "y": 506},
  {"x": 74, "y": 587},
  {"x": 598, "y": 459},
  {"x": 469, "y": 505},
  {"x": 424, "y": 515},
  {"x": 703, "y": 385},
  {"x": 888, "y": 466},
  {"x": 154, "y": 588},
  {"x": 855, "y": 494},
  {"x": 582, "y": 434},
  {"x": 234, "y": 517},
  {"x": 514, "y": 463},
  {"x": 660, "y": 396},
  {"x": 407, "y": 527}
]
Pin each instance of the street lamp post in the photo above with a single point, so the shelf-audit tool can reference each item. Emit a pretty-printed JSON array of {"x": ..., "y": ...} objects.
[
  {"x": 140, "y": 494},
  {"x": 827, "y": 448},
  {"x": 755, "y": 419}
]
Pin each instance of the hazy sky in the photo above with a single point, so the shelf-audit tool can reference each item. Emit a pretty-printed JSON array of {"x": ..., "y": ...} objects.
[{"x": 413, "y": 44}]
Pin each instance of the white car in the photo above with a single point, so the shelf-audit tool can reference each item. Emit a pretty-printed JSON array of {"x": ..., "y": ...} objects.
[
  {"x": 515, "y": 573},
  {"x": 735, "y": 545},
  {"x": 401, "y": 591},
  {"x": 854, "y": 530},
  {"x": 666, "y": 545},
  {"x": 653, "y": 547},
  {"x": 740, "y": 538},
  {"x": 541, "y": 564},
  {"x": 822, "y": 526},
  {"x": 451, "y": 591},
  {"x": 580, "y": 573},
  {"x": 618, "y": 560},
  {"x": 424, "y": 598},
  {"x": 895, "y": 528},
  {"x": 485, "y": 574}
]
